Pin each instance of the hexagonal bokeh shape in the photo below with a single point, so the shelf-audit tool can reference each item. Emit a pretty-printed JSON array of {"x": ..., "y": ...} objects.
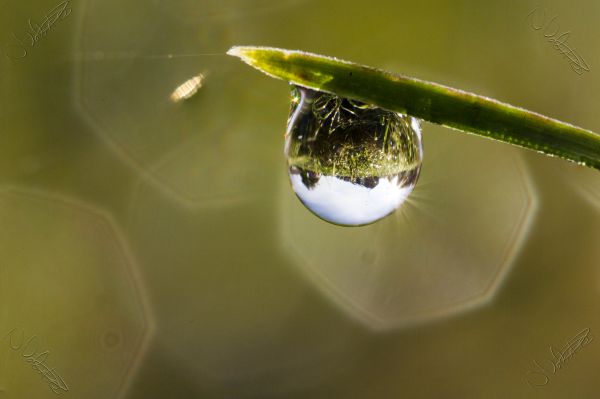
[
  {"x": 197, "y": 150},
  {"x": 244, "y": 322},
  {"x": 73, "y": 316},
  {"x": 444, "y": 251}
]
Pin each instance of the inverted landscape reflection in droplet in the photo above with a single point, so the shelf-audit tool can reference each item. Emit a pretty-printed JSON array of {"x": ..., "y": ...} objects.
[{"x": 350, "y": 163}]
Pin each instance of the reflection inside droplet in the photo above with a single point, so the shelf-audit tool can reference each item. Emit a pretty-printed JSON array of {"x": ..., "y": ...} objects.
[{"x": 350, "y": 163}]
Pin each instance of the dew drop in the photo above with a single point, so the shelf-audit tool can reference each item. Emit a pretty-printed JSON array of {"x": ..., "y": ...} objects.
[{"x": 350, "y": 163}]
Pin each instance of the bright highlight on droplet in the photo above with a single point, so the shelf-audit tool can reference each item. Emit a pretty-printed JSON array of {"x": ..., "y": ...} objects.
[
  {"x": 350, "y": 163},
  {"x": 188, "y": 88}
]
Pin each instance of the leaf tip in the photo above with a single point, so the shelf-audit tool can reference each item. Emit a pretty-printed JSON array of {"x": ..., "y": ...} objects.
[
  {"x": 243, "y": 53},
  {"x": 236, "y": 51},
  {"x": 257, "y": 57}
]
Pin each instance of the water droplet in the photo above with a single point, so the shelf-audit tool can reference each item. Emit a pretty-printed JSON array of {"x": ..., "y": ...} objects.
[{"x": 350, "y": 163}]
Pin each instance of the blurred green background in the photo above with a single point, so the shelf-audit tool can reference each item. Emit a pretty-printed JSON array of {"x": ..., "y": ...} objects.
[{"x": 152, "y": 249}]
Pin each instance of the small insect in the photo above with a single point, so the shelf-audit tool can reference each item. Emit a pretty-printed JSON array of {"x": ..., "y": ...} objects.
[{"x": 188, "y": 88}]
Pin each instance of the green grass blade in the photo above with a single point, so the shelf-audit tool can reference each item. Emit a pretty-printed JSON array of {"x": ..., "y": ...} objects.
[{"x": 429, "y": 101}]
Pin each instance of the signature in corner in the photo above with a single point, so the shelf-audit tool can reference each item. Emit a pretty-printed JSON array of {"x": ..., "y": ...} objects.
[
  {"x": 29, "y": 351},
  {"x": 17, "y": 49},
  {"x": 558, "y": 41},
  {"x": 541, "y": 376}
]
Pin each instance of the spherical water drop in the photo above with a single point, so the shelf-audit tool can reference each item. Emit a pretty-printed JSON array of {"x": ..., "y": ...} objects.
[{"x": 350, "y": 163}]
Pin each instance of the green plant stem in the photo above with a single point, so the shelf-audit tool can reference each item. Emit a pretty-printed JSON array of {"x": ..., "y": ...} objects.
[{"x": 429, "y": 101}]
